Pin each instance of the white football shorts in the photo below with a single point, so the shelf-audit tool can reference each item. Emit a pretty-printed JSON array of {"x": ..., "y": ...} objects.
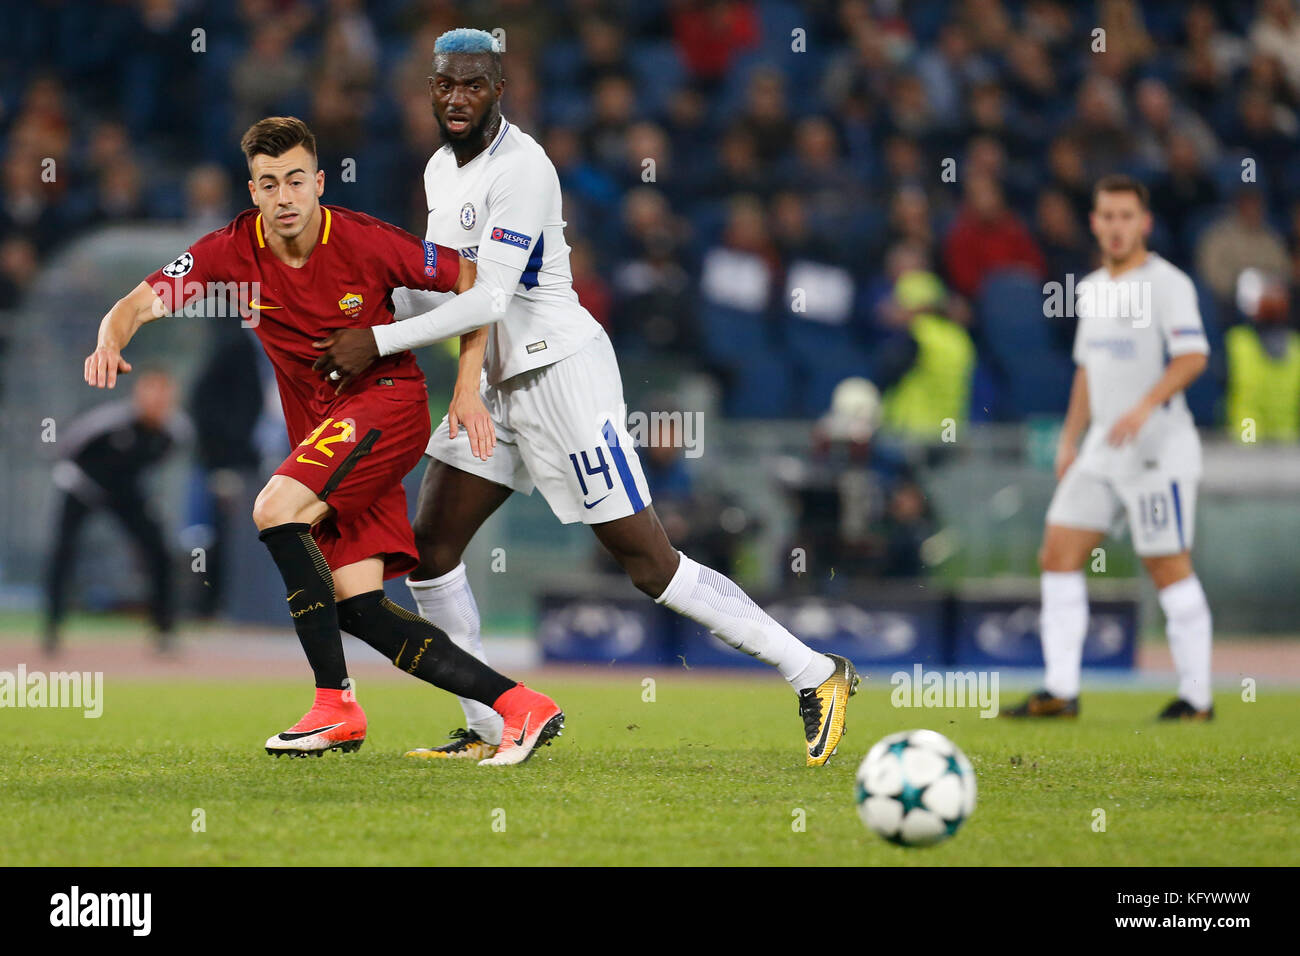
[
  {"x": 561, "y": 428},
  {"x": 1161, "y": 506}
]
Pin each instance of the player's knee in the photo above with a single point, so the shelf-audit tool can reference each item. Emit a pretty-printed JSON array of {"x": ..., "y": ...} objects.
[
  {"x": 650, "y": 574},
  {"x": 1053, "y": 558},
  {"x": 437, "y": 556},
  {"x": 647, "y": 582},
  {"x": 271, "y": 510},
  {"x": 427, "y": 538},
  {"x": 1165, "y": 571},
  {"x": 284, "y": 501}
]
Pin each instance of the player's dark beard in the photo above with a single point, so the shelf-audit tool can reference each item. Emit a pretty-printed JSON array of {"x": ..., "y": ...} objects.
[{"x": 475, "y": 139}]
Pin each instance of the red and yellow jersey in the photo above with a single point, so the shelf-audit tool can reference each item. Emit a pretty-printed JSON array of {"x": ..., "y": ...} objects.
[{"x": 346, "y": 282}]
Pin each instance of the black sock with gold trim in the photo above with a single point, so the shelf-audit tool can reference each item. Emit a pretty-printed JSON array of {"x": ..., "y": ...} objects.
[
  {"x": 420, "y": 648},
  {"x": 310, "y": 588}
]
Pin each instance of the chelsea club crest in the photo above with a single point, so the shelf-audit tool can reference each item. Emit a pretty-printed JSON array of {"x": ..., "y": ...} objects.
[{"x": 468, "y": 216}]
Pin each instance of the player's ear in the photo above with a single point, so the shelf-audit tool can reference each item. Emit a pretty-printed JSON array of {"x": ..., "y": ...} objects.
[
  {"x": 320, "y": 182},
  {"x": 252, "y": 191}
]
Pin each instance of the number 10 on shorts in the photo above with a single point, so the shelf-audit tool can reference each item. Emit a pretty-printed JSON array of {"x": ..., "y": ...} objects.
[{"x": 1153, "y": 511}]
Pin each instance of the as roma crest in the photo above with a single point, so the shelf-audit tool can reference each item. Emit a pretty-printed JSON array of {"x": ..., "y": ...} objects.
[{"x": 351, "y": 303}]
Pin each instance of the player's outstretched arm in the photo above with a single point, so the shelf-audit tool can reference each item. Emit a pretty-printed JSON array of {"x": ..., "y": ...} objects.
[
  {"x": 351, "y": 351},
  {"x": 123, "y": 320},
  {"x": 482, "y": 304}
]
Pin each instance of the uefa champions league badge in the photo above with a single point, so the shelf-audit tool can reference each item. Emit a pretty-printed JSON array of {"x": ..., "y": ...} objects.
[
  {"x": 467, "y": 215},
  {"x": 181, "y": 265}
]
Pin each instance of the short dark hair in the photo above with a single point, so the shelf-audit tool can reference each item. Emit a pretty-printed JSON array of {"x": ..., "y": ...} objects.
[
  {"x": 275, "y": 136},
  {"x": 1120, "y": 183}
]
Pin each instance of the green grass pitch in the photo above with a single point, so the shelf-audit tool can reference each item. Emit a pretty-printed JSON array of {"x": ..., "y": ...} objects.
[{"x": 711, "y": 772}]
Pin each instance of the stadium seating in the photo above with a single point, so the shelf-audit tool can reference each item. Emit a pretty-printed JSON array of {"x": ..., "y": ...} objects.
[
  {"x": 1032, "y": 373},
  {"x": 1206, "y": 393},
  {"x": 1021, "y": 371},
  {"x": 824, "y": 355}
]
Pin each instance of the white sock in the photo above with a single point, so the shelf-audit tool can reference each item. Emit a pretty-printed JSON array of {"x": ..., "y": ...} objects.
[
  {"x": 711, "y": 599},
  {"x": 1188, "y": 626},
  {"x": 448, "y": 603},
  {"x": 1064, "y": 624}
]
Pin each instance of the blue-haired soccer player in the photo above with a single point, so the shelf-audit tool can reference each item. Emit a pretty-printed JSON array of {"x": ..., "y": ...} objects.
[{"x": 539, "y": 403}]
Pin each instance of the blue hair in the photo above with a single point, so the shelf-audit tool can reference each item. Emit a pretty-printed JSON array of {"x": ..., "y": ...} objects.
[{"x": 466, "y": 40}]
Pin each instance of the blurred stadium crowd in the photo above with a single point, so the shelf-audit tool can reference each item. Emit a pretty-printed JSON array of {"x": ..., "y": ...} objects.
[{"x": 837, "y": 187}]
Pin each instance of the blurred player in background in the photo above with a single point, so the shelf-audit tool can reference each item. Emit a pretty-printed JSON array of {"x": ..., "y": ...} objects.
[
  {"x": 333, "y": 516},
  {"x": 549, "y": 410},
  {"x": 226, "y": 403},
  {"x": 106, "y": 454},
  {"x": 1141, "y": 454}
]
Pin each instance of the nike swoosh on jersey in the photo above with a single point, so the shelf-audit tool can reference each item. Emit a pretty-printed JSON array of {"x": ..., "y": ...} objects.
[
  {"x": 820, "y": 746},
  {"x": 594, "y": 503},
  {"x": 294, "y": 594},
  {"x": 253, "y": 304},
  {"x": 298, "y": 735},
  {"x": 308, "y": 461}
]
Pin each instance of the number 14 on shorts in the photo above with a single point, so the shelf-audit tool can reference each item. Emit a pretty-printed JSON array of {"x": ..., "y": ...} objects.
[{"x": 600, "y": 467}]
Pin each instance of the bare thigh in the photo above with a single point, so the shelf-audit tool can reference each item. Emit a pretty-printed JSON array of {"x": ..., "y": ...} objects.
[
  {"x": 286, "y": 500},
  {"x": 1067, "y": 549},
  {"x": 452, "y": 506}
]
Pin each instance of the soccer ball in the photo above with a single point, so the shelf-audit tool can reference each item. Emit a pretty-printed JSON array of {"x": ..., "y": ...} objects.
[{"x": 915, "y": 788}]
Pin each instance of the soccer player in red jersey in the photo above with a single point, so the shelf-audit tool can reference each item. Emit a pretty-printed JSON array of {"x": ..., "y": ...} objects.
[{"x": 333, "y": 516}]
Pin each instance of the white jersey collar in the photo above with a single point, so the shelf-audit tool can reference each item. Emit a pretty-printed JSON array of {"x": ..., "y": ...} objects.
[{"x": 501, "y": 135}]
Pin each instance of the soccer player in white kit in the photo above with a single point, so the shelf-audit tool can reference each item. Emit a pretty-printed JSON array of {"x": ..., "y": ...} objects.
[
  {"x": 539, "y": 403},
  {"x": 1138, "y": 345}
]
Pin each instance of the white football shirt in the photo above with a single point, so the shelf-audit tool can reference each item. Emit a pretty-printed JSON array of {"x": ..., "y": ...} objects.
[
  {"x": 1129, "y": 326},
  {"x": 502, "y": 209}
]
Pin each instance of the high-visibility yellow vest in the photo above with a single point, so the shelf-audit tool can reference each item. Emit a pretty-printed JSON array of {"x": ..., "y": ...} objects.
[
  {"x": 1262, "y": 389},
  {"x": 938, "y": 384}
]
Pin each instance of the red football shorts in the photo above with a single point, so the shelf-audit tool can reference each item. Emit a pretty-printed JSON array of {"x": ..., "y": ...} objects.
[{"x": 355, "y": 460}]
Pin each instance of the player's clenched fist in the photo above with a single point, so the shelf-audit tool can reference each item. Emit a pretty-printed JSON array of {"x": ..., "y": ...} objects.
[
  {"x": 104, "y": 365},
  {"x": 347, "y": 353}
]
